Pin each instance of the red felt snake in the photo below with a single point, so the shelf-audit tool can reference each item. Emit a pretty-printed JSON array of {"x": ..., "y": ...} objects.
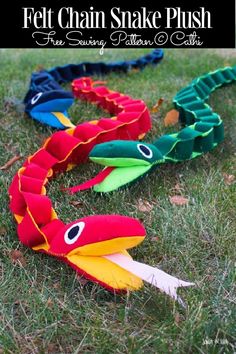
[{"x": 95, "y": 246}]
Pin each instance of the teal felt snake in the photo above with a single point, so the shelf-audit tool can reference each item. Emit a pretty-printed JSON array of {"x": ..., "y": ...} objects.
[{"x": 127, "y": 161}]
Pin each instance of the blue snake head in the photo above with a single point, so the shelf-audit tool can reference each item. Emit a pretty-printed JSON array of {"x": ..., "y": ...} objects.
[
  {"x": 47, "y": 102},
  {"x": 130, "y": 159}
]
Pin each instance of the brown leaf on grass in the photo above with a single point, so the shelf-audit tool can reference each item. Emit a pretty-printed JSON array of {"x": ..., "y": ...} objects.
[
  {"x": 56, "y": 285},
  {"x": 157, "y": 106},
  {"x": 3, "y": 231},
  {"x": 178, "y": 200},
  {"x": 83, "y": 281},
  {"x": 178, "y": 318},
  {"x": 134, "y": 70},
  {"x": 49, "y": 302},
  {"x": 9, "y": 163},
  {"x": 171, "y": 118},
  {"x": 52, "y": 348},
  {"x": 178, "y": 188},
  {"x": 39, "y": 67},
  {"x": 77, "y": 203},
  {"x": 17, "y": 257},
  {"x": 144, "y": 206},
  {"x": 228, "y": 179},
  {"x": 154, "y": 238}
]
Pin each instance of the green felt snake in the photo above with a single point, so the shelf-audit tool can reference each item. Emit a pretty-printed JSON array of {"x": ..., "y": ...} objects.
[{"x": 127, "y": 161}]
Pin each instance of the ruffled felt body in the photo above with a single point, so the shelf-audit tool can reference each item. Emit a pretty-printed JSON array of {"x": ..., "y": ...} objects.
[
  {"x": 47, "y": 102},
  {"x": 95, "y": 246},
  {"x": 127, "y": 161},
  {"x": 82, "y": 243}
]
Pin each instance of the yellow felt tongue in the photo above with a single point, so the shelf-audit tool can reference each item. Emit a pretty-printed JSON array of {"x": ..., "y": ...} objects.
[
  {"x": 102, "y": 248},
  {"x": 106, "y": 272}
]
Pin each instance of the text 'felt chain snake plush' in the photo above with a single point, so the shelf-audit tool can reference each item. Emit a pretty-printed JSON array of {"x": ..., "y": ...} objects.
[
  {"x": 47, "y": 102},
  {"x": 95, "y": 246},
  {"x": 127, "y": 161}
]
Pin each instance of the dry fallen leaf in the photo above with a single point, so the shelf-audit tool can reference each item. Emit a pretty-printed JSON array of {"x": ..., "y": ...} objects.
[
  {"x": 171, "y": 118},
  {"x": 10, "y": 162},
  {"x": 49, "y": 302},
  {"x": 177, "y": 318},
  {"x": 144, "y": 206},
  {"x": 77, "y": 203},
  {"x": 3, "y": 231},
  {"x": 134, "y": 70},
  {"x": 83, "y": 281},
  {"x": 178, "y": 200},
  {"x": 56, "y": 285},
  {"x": 39, "y": 67},
  {"x": 229, "y": 179},
  {"x": 154, "y": 238},
  {"x": 178, "y": 188},
  {"x": 157, "y": 106},
  {"x": 17, "y": 257},
  {"x": 52, "y": 348}
]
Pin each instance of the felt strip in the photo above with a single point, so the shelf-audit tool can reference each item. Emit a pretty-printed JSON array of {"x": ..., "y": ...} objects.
[{"x": 63, "y": 120}]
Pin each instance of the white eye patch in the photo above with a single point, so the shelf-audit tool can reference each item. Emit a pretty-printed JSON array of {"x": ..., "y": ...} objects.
[
  {"x": 36, "y": 98},
  {"x": 145, "y": 151},
  {"x": 73, "y": 233}
]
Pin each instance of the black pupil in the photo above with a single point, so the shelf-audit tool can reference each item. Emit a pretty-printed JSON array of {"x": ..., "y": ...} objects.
[
  {"x": 145, "y": 150},
  {"x": 73, "y": 232}
]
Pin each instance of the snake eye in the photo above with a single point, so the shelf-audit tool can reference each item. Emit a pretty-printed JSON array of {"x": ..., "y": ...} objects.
[
  {"x": 74, "y": 232},
  {"x": 36, "y": 98},
  {"x": 145, "y": 151}
]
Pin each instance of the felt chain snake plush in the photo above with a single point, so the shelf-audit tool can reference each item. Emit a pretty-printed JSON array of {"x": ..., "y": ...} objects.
[
  {"x": 127, "y": 161},
  {"x": 47, "y": 102},
  {"x": 95, "y": 246}
]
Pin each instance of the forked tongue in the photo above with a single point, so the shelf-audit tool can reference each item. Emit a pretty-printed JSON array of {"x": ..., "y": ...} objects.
[
  {"x": 152, "y": 275},
  {"x": 111, "y": 178}
]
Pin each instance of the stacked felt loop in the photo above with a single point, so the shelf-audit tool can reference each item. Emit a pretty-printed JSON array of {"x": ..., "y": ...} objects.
[
  {"x": 47, "y": 102},
  {"x": 205, "y": 128}
]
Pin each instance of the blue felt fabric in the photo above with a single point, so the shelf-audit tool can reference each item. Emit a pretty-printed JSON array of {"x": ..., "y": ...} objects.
[{"x": 45, "y": 95}]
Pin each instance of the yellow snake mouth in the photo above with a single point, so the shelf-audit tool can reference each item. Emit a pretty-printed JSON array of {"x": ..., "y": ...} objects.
[{"x": 103, "y": 248}]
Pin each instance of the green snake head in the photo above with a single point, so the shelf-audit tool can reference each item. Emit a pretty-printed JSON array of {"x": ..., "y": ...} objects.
[{"x": 130, "y": 159}]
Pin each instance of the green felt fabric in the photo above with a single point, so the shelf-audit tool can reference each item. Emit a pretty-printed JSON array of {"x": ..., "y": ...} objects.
[
  {"x": 121, "y": 176},
  {"x": 119, "y": 161},
  {"x": 203, "y": 131},
  {"x": 125, "y": 149}
]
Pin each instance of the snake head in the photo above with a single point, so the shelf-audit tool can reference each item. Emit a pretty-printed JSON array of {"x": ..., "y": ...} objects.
[
  {"x": 48, "y": 107},
  {"x": 97, "y": 235},
  {"x": 130, "y": 159}
]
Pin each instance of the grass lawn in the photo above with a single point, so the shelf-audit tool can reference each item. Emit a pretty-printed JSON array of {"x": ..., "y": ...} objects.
[{"x": 44, "y": 307}]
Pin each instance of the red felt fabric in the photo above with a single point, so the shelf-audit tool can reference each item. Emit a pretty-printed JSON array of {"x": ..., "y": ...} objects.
[
  {"x": 61, "y": 144},
  {"x": 33, "y": 170},
  {"x": 73, "y": 147},
  {"x": 28, "y": 232},
  {"x": 39, "y": 207},
  {"x": 86, "y": 131},
  {"x": 31, "y": 185},
  {"x": 92, "y": 182},
  {"x": 110, "y": 227},
  {"x": 43, "y": 159},
  {"x": 52, "y": 228}
]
